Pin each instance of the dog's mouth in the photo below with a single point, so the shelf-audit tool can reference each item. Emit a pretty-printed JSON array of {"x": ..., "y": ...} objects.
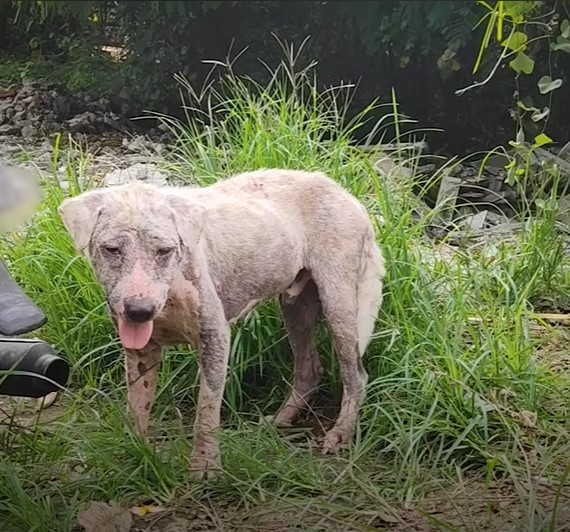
[{"x": 133, "y": 335}]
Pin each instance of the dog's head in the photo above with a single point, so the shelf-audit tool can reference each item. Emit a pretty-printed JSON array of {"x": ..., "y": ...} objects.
[{"x": 136, "y": 238}]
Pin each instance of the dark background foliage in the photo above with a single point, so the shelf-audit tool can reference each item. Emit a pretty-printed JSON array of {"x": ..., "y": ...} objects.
[{"x": 425, "y": 50}]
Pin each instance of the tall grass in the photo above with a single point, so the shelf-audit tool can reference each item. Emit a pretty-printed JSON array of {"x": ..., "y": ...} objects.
[{"x": 454, "y": 381}]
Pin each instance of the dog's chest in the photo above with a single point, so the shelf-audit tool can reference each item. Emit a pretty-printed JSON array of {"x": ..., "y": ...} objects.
[{"x": 178, "y": 321}]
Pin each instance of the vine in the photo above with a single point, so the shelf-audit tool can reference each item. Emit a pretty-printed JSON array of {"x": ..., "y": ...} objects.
[{"x": 520, "y": 29}]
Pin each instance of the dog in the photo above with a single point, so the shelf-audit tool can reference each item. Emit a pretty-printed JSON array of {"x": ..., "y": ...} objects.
[{"x": 180, "y": 265}]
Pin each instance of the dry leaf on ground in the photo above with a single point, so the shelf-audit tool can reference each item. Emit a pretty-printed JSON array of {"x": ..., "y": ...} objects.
[{"x": 141, "y": 511}]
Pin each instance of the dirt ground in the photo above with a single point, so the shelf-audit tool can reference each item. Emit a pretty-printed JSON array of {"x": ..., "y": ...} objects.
[
  {"x": 470, "y": 507},
  {"x": 501, "y": 506}
]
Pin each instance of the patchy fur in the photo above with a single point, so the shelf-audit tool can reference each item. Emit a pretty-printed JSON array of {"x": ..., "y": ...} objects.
[{"x": 180, "y": 264}]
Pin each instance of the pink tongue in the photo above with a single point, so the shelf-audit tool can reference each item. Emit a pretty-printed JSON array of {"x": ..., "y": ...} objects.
[{"x": 134, "y": 335}]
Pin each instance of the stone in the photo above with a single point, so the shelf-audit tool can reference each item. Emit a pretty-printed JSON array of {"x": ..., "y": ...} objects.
[
  {"x": 82, "y": 123},
  {"x": 476, "y": 221},
  {"x": 563, "y": 214},
  {"x": 146, "y": 172},
  {"x": 447, "y": 196},
  {"x": 9, "y": 129},
  {"x": 29, "y": 132}
]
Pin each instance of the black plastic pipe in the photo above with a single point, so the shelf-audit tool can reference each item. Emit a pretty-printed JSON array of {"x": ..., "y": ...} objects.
[{"x": 30, "y": 368}]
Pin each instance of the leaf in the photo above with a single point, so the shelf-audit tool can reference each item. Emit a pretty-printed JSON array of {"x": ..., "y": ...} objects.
[
  {"x": 542, "y": 140},
  {"x": 522, "y": 105},
  {"x": 565, "y": 28},
  {"x": 540, "y": 203},
  {"x": 516, "y": 41},
  {"x": 538, "y": 115},
  {"x": 103, "y": 517},
  {"x": 522, "y": 63},
  {"x": 561, "y": 44},
  {"x": 546, "y": 84},
  {"x": 141, "y": 511}
]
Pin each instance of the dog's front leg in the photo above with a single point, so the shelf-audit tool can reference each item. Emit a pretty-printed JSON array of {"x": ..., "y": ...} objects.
[
  {"x": 213, "y": 351},
  {"x": 142, "y": 375}
]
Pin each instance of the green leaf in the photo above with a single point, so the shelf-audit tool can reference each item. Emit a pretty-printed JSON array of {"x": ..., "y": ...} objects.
[
  {"x": 561, "y": 44},
  {"x": 522, "y": 105},
  {"x": 546, "y": 84},
  {"x": 522, "y": 63},
  {"x": 537, "y": 115},
  {"x": 550, "y": 205},
  {"x": 565, "y": 28},
  {"x": 540, "y": 203},
  {"x": 542, "y": 140},
  {"x": 516, "y": 41}
]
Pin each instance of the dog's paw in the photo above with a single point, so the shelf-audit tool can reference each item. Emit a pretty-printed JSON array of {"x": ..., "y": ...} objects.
[
  {"x": 205, "y": 464},
  {"x": 334, "y": 440}
]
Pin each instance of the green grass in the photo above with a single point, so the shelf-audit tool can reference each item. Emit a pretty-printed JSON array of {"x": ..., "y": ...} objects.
[{"x": 449, "y": 398}]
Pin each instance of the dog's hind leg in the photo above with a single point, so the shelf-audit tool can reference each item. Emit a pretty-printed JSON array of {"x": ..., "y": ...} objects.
[
  {"x": 300, "y": 314},
  {"x": 350, "y": 290}
]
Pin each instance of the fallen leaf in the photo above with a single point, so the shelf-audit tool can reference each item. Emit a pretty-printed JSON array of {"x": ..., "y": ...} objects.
[
  {"x": 103, "y": 517},
  {"x": 141, "y": 511}
]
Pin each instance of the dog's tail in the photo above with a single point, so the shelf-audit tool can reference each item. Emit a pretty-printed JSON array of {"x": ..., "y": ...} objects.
[{"x": 370, "y": 286}]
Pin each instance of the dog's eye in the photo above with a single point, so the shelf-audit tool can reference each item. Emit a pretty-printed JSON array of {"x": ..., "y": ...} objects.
[
  {"x": 164, "y": 252},
  {"x": 112, "y": 250}
]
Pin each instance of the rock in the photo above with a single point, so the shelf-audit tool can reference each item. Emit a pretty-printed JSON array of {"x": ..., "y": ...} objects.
[
  {"x": 563, "y": 214},
  {"x": 541, "y": 157},
  {"x": 138, "y": 144},
  {"x": 29, "y": 132},
  {"x": 9, "y": 129},
  {"x": 53, "y": 108},
  {"x": 447, "y": 196},
  {"x": 146, "y": 172},
  {"x": 476, "y": 221},
  {"x": 82, "y": 123},
  {"x": 19, "y": 115}
]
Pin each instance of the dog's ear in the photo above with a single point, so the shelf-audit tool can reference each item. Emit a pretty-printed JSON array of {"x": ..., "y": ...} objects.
[
  {"x": 189, "y": 218},
  {"x": 80, "y": 214}
]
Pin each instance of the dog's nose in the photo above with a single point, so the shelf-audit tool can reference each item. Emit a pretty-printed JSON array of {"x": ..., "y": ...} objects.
[{"x": 139, "y": 310}]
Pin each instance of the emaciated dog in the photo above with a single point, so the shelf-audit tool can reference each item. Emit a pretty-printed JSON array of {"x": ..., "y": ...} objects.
[{"x": 181, "y": 264}]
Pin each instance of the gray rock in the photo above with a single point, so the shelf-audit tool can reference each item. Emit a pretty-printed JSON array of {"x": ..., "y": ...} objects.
[
  {"x": 19, "y": 115},
  {"x": 9, "y": 129},
  {"x": 29, "y": 132},
  {"x": 146, "y": 172},
  {"x": 82, "y": 123}
]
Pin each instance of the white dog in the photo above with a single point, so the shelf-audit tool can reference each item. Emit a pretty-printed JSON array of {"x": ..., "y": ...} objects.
[{"x": 181, "y": 264}]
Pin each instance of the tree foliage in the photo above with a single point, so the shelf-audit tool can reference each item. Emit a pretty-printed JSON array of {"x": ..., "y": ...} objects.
[{"x": 425, "y": 48}]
